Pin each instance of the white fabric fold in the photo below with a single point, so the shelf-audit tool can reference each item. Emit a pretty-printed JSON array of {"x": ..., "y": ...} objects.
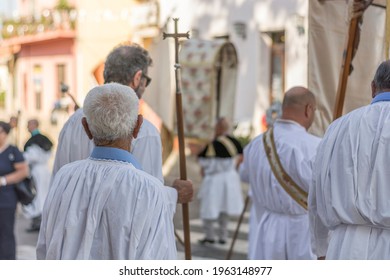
[{"x": 98, "y": 209}]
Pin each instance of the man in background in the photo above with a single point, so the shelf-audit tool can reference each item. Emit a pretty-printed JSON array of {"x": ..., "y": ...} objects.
[
  {"x": 127, "y": 65},
  {"x": 282, "y": 227},
  {"x": 37, "y": 152},
  {"x": 220, "y": 193}
]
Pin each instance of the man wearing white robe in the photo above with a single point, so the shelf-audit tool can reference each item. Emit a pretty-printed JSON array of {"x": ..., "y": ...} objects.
[
  {"x": 350, "y": 193},
  {"x": 282, "y": 224},
  {"x": 37, "y": 152},
  {"x": 128, "y": 65},
  {"x": 105, "y": 207}
]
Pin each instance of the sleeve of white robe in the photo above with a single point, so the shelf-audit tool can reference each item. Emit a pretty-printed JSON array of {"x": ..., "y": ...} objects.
[
  {"x": 319, "y": 232},
  {"x": 147, "y": 149},
  {"x": 73, "y": 142},
  {"x": 34, "y": 154},
  {"x": 244, "y": 166}
]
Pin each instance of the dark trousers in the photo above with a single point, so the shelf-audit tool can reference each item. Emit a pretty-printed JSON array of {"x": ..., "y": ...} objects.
[{"x": 7, "y": 237}]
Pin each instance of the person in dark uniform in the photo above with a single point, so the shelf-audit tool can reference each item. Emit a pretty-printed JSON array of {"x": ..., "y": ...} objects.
[
  {"x": 13, "y": 169},
  {"x": 220, "y": 193}
]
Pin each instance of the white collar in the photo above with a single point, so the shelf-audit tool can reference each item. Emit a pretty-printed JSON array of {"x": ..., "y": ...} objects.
[{"x": 289, "y": 122}]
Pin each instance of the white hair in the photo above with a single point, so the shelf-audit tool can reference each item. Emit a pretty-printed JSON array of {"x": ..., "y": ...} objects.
[{"x": 111, "y": 111}]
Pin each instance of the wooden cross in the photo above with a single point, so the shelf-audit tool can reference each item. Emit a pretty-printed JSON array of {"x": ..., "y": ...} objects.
[{"x": 180, "y": 134}]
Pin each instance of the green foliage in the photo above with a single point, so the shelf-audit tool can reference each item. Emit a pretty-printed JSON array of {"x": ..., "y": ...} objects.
[
  {"x": 63, "y": 5},
  {"x": 244, "y": 140}
]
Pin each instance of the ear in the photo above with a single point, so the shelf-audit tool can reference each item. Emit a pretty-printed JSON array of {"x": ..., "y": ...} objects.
[
  {"x": 307, "y": 110},
  {"x": 86, "y": 127},
  {"x": 373, "y": 89},
  {"x": 137, "y": 127},
  {"x": 136, "y": 80}
]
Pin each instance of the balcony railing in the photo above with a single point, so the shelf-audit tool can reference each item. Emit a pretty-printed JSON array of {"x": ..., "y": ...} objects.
[{"x": 49, "y": 20}]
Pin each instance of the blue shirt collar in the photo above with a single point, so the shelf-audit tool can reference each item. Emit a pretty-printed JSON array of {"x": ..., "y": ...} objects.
[
  {"x": 35, "y": 132},
  {"x": 109, "y": 153},
  {"x": 384, "y": 96}
]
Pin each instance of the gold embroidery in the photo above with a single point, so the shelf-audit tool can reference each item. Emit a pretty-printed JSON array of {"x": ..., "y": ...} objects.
[
  {"x": 288, "y": 184},
  {"x": 229, "y": 145}
]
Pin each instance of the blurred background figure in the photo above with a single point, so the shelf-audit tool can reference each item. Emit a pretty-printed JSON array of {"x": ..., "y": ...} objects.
[
  {"x": 13, "y": 169},
  {"x": 220, "y": 193},
  {"x": 37, "y": 152},
  {"x": 13, "y": 134}
]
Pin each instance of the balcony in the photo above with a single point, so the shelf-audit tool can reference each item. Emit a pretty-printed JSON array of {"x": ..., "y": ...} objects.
[{"x": 49, "y": 20}]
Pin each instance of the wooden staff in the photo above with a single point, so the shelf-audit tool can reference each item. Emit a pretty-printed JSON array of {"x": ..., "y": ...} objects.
[
  {"x": 180, "y": 132},
  {"x": 76, "y": 105},
  {"x": 350, "y": 49},
  {"x": 229, "y": 254}
]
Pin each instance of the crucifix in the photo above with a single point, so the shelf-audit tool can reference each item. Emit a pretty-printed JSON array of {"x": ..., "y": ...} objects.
[{"x": 180, "y": 134}]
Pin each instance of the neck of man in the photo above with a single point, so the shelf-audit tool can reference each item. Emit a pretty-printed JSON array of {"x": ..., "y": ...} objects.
[
  {"x": 124, "y": 144},
  {"x": 294, "y": 117}
]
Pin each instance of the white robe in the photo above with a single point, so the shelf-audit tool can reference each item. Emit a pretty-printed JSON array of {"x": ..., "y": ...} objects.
[
  {"x": 350, "y": 194},
  {"x": 283, "y": 225},
  {"x": 254, "y": 214},
  {"x": 38, "y": 160},
  {"x": 74, "y": 144},
  {"x": 105, "y": 209},
  {"x": 220, "y": 191}
]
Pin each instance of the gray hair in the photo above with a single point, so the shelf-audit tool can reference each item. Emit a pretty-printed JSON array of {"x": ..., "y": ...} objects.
[
  {"x": 123, "y": 63},
  {"x": 382, "y": 76},
  {"x": 111, "y": 111}
]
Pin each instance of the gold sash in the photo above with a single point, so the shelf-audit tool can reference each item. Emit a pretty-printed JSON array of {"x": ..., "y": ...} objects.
[{"x": 288, "y": 184}]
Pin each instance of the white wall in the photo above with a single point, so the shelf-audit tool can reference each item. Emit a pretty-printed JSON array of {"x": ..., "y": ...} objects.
[{"x": 217, "y": 17}]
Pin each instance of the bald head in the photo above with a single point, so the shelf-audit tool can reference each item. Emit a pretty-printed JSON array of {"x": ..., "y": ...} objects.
[
  {"x": 221, "y": 127},
  {"x": 296, "y": 97},
  {"x": 32, "y": 125},
  {"x": 299, "y": 105}
]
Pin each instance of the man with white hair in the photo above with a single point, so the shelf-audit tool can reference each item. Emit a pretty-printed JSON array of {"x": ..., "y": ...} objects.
[
  {"x": 127, "y": 65},
  {"x": 105, "y": 207}
]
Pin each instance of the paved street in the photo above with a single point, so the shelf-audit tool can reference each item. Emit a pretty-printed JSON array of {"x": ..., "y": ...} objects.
[{"x": 26, "y": 241}]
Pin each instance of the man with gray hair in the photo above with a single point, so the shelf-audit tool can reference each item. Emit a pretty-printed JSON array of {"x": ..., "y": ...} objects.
[
  {"x": 350, "y": 193},
  {"x": 127, "y": 65},
  {"x": 105, "y": 206}
]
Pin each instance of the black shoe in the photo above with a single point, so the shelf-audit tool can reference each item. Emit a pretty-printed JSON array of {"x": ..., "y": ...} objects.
[
  {"x": 35, "y": 224},
  {"x": 33, "y": 228},
  {"x": 205, "y": 241},
  {"x": 221, "y": 241}
]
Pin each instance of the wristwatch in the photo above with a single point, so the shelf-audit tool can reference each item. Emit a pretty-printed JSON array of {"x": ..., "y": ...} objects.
[{"x": 3, "y": 181}]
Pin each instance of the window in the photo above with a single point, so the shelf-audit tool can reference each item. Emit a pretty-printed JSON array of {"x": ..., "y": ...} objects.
[{"x": 37, "y": 82}]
